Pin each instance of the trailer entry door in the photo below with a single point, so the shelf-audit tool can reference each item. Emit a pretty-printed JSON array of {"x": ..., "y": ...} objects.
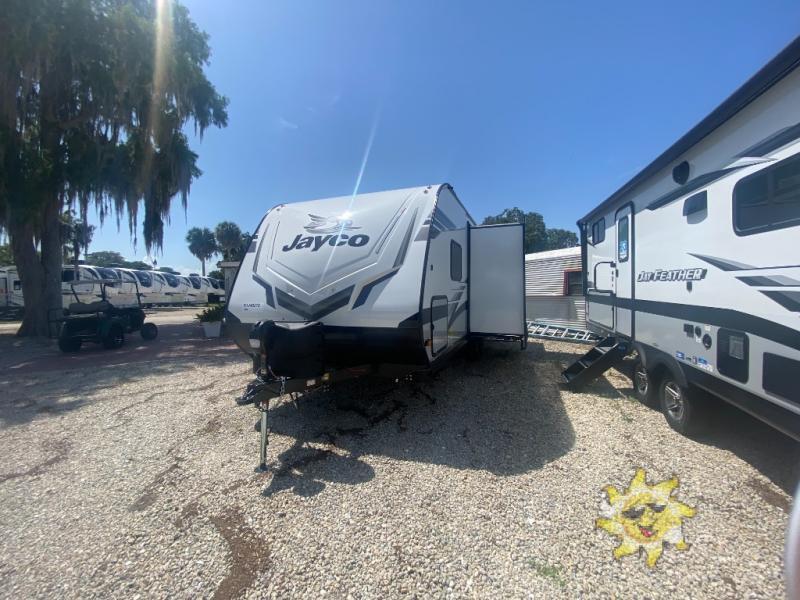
[
  {"x": 497, "y": 281},
  {"x": 623, "y": 317},
  {"x": 4, "y": 292}
]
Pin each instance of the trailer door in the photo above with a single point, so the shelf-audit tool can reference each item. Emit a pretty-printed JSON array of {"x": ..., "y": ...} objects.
[
  {"x": 623, "y": 317},
  {"x": 497, "y": 281},
  {"x": 4, "y": 291}
]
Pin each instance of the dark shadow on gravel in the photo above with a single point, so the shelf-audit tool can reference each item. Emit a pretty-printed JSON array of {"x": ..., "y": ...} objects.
[
  {"x": 502, "y": 413},
  {"x": 772, "y": 453}
]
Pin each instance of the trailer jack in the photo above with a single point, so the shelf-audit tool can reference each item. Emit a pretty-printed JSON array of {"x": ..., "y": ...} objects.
[{"x": 263, "y": 407}]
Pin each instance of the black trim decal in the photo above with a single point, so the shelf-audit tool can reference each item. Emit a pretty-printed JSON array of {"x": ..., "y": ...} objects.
[
  {"x": 401, "y": 254},
  {"x": 788, "y": 300},
  {"x": 765, "y": 281},
  {"x": 364, "y": 293},
  {"x": 721, "y": 317},
  {"x": 729, "y": 265},
  {"x": 312, "y": 312},
  {"x": 267, "y": 288}
]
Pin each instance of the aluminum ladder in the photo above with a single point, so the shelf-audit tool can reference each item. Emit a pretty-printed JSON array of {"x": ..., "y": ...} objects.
[{"x": 560, "y": 333}]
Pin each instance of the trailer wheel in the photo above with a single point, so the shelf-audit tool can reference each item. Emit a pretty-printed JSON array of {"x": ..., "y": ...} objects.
[
  {"x": 149, "y": 331},
  {"x": 115, "y": 337},
  {"x": 683, "y": 410},
  {"x": 644, "y": 384}
]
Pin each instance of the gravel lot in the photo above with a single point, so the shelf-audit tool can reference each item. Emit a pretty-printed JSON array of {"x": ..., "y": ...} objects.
[{"x": 484, "y": 480}]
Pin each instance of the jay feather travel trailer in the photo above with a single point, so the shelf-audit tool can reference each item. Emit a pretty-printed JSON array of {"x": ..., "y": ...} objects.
[
  {"x": 695, "y": 263},
  {"x": 385, "y": 283}
]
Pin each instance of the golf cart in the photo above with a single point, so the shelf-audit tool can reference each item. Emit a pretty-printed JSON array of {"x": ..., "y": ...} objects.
[{"x": 101, "y": 322}]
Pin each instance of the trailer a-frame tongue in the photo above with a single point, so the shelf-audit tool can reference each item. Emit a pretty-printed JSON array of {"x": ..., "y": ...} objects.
[{"x": 497, "y": 282}]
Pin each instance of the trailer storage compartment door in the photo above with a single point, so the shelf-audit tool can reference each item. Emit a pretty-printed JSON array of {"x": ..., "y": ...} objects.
[{"x": 497, "y": 281}]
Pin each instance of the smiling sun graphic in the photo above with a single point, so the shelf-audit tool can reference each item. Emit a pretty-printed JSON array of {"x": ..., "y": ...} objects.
[{"x": 644, "y": 517}]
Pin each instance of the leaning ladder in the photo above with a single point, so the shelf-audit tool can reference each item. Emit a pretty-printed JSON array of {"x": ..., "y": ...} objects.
[{"x": 562, "y": 333}]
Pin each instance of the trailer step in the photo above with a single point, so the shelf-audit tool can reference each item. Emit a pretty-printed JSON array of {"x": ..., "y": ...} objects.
[
  {"x": 561, "y": 333},
  {"x": 595, "y": 362}
]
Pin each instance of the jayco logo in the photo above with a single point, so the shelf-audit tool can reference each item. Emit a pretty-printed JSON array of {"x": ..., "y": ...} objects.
[
  {"x": 334, "y": 226},
  {"x": 315, "y": 242}
]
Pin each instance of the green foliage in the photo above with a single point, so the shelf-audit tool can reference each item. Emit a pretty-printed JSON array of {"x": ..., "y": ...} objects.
[
  {"x": 561, "y": 238},
  {"x": 168, "y": 270},
  {"x": 231, "y": 241},
  {"x": 76, "y": 235},
  {"x": 95, "y": 96},
  {"x": 216, "y": 274},
  {"x": 110, "y": 258},
  {"x": 213, "y": 313},
  {"x": 6, "y": 257},
  {"x": 90, "y": 112},
  {"x": 136, "y": 264},
  {"x": 537, "y": 236},
  {"x": 202, "y": 244},
  {"x": 105, "y": 258}
]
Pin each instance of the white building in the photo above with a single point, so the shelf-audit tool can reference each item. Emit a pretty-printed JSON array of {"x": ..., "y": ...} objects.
[{"x": 553, "y": 287}]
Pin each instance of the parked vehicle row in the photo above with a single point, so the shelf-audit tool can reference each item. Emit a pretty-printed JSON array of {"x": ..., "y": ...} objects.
[{"x": 156, "y": 288}]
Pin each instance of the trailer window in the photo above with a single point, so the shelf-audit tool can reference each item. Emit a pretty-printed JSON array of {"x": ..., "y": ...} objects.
[
  {"x": 598, "y": 231},
  {"x": 455, "y": 261},
  {"x": 769, "y": 199},
  {"x": 17, "y": 286},
  {"x": 573, "y": 283},
  {"x": 622, "y": 239}
]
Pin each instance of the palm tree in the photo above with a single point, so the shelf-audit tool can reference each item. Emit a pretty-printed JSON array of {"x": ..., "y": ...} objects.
[
  {"x": 229, "y": 239},
  {"x": 202, "y": 244}
]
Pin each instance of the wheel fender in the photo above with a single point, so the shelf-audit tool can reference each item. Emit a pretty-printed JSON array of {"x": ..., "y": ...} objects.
[{"x": 654, "y": 359}]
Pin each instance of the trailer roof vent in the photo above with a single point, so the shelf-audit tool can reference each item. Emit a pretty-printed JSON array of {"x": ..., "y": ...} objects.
[{"x": 681, "y": 173}]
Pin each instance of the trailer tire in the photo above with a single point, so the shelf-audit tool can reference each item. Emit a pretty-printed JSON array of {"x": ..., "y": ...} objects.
[
  {"x": 115, "y": 337},
  {"x": 645, "y": 385},
  {"x": 684, "y": 411},
  {"x": 149, "y": 331}
]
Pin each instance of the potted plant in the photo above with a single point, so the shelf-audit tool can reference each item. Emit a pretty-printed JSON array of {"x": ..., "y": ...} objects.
[{"x": 211, "y": 318}]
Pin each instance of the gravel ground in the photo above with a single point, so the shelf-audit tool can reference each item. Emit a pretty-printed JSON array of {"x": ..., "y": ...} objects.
[{"x": 483, "y": 480}]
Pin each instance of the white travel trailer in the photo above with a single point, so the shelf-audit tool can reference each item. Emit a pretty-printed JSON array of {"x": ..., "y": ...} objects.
[
  {"x": 695, "y": 263},
  {"x": 384, "y": 283},
  {"x": 193, "y": 289},
  {"x": 81, "y": 293},
  {"x": 217, "y": 293},
  {"x": 554, "y": 288},
  {"x": 10, "y": 288},
  {"x": 159, "y": 293},
  {"x": 144, "y": 280},
  {"x": 176, "y": 289}
]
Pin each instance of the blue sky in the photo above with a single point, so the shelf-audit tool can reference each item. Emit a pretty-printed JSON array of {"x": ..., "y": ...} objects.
[{"x": 546, "y": 106}]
